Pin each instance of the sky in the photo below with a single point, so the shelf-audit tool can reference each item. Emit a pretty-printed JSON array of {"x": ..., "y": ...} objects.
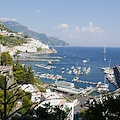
[{"x": 78, "y": 22}]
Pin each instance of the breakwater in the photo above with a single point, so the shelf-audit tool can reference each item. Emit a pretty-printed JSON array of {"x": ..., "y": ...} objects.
[{"x": 40, "y": 60}]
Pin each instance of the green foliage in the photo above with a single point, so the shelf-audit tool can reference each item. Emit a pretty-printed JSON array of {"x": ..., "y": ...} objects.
[
  {"x": 25, "y": 104},
  {"x": 6, "y": 59},
  {"x": 46, "y": 113},
  {"x": 39, "y": 84},
  {"x": 26, "y": 36},
  {"x": 41, "y": 89},
  {"x": 51, "y": 41},
  {"x": 2, "y": 81},
  {"x": 1, "y": 36},
  {"x": 18, "y": 52},
  {"x": 28, "y": 95},
  {"x": 38, "y": 49},
  {"x": 82, "y": 113},
  {"x": 108, "y": 109},
  {"x": 10, "y": 103},
  {"x": 13, "y": 41},
  {"x": 30, "y": 75},
  {"x": 22, "y": 74}
]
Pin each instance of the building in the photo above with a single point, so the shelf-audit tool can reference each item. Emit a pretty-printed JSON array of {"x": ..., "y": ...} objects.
[
  {"x": 7, "y": 71},
  {"x": 56, "y": 99},
  {"x": 67, "y": 87},
  {"x": 36, "y": 94}
]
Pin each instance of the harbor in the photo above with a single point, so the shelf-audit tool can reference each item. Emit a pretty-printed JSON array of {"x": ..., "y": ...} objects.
[{"x": 69, "y": 67}]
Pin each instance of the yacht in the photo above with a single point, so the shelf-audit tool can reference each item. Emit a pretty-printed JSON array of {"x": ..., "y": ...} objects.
[
  {"x": 72, "y": 67},
  {"x": 75, "y": 78},
  {"x": 49, "y": 62},
  {"x": 84, "y": 61},
  {"x": 70, "y": 71},
  {"x": 88, "y": 70}
]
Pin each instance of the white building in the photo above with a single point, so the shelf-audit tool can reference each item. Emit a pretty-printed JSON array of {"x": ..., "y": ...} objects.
[
  {"x": 56, "y": 99},
  {"x": 36, "y": 95}
]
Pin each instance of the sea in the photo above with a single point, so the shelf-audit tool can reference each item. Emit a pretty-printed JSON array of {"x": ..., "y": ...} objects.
[{"x": 74, "y": 56}]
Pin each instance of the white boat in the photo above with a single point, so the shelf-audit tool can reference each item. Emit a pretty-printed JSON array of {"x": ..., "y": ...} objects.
[
  {"x": 79, "y": 67},
  {"x": 49, "y": 62},
  {"x": 75, "y": 78},
  {"x": 67, "y": 69},
  {"x": 70, "y": 71},
  {"x": 63, "y": 68},
  {"x": 84, "y": 61},
  {"x": 88, "y": 70},
  {"x": 104, "y": 51},
  {"x": 72, "y": 67},
  {"x": 78, "y": 72},
  {"x": 84, "y": 69},
  {"x": 102, "y": 88},
  {"x": 75, "y": 71}
]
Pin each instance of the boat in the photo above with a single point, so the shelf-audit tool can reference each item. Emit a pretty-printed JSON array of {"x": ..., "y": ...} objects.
[
  {"x": 88, "y": 70},
  {"x": 79, "y": 67},
  {"x": 63, "y": 68},
  {"x": 102, "y": 88},
  {"x": 75, "y": 78},
  {"x": 78, "y": 72},
  {"x": 70, "y": 71},
  {"x": 75, "y": 71},
  {"x": 49, "y": 62},
  {"x": 72, "y": 67},
  {"x": 84, "y": 69},
  {"x": 104, "y": 51},
  {"x": 84, "y": 61}
]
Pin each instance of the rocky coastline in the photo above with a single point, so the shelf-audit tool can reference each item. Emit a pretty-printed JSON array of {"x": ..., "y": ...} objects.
[{"x": 43, "y": 51}]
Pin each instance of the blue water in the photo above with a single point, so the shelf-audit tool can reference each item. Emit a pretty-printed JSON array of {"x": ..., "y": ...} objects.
[{"x": 73, "y": 55}]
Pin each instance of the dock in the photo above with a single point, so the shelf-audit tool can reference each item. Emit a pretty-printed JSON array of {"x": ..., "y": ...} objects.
[
  {"x": 40, "y": 60},
  {"x": 86, "y": 82},
  {"x": 56, "y": 57}
]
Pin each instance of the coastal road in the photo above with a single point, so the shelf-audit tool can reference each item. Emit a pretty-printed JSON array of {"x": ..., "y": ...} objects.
[{"x": 81, "y": 100}]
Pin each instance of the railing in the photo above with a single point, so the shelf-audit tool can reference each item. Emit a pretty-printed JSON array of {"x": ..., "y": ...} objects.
[{"x": 5, "y": 68}]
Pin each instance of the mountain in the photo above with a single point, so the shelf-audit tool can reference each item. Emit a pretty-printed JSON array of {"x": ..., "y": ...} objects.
[{"x": 51, "y": 41}]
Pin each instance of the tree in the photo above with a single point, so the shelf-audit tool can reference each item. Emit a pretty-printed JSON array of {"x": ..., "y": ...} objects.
[
  {"x": 2, "y": 81},
  {"x": 1, "y": 36},
  {"x": 47, "y": 112},
  {"x": 6, "y": 59},
  {"x": 22, "y": 74},
  {"x": 30, "y": 75},
  {"x": 9, "y": 95},
  {"x": 106, "y": 109},
  {"x": 25, "y": 102}
]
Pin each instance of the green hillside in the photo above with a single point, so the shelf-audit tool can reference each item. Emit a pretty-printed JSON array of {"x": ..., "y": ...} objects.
[{"x": 51, "y": 41}]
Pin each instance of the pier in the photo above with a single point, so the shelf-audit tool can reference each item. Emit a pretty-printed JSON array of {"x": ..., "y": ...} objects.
[
  {"x": 86, "y": 82},
  {"x": 40, "y": 60},
  {"x": 57, "y": 57}
]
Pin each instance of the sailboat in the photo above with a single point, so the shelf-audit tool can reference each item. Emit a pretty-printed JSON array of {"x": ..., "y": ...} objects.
[
  {"x": 104, "y": 52},
  {"x": 76, "y": 73},
  {"x": 102, "y": 88}
]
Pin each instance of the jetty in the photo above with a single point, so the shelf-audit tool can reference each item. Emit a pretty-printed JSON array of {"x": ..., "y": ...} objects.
[
  {"x": 40, "y": 60},
  {"x": 56, "y": 57},
  {"x": 86, "y": 82}
]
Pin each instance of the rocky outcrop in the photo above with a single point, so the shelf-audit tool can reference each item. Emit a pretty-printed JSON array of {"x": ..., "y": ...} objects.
[{"x": 46, "y": 51}]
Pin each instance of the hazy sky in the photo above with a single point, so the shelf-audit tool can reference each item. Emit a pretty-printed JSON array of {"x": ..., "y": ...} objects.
[{"x": 78, "y": 22}]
